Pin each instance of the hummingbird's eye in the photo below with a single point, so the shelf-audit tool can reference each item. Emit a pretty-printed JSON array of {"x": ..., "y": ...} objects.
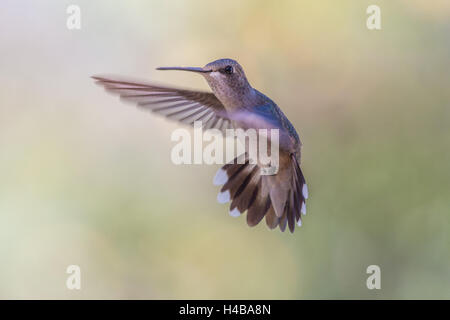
[{"x": 228, "y": 70}]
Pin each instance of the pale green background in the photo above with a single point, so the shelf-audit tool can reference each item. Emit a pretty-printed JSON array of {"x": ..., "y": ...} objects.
[{"x": 87, "y": 180}]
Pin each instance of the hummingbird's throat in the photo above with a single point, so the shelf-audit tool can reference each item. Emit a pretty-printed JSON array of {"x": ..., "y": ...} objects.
[{"x": 231, "y": 94}]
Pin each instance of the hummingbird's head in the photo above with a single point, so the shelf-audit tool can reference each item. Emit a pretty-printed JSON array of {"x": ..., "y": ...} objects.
[{"x": 225, "y": 77}]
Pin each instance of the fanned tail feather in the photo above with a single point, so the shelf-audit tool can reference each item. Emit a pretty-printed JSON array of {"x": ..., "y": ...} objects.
[{"x": 279, "y": 198}]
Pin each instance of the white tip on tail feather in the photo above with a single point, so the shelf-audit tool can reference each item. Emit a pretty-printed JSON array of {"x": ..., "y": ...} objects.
[
  {"x": 305, "y": 191},
  {"x": 303, "y": 209},
  {"x": 220, "y": 178},
  {"x": 223, "y": 197},
  {"x": 235, "y": 212},
  {"x": 299, "y": 222}
]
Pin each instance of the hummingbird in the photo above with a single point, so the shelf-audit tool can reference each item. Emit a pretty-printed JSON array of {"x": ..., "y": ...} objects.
[{"x": 233, "y": 103}]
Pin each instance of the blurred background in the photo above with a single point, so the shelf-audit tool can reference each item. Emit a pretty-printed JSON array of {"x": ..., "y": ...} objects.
[{"x": 87, "y": 180}]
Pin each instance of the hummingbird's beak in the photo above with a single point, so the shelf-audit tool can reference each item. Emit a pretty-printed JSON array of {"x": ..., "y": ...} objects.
[{"x": 191, "y": 69}]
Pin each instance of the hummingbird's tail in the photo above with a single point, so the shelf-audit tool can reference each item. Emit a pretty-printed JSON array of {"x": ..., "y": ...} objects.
[{"x": 280, "y": 198}]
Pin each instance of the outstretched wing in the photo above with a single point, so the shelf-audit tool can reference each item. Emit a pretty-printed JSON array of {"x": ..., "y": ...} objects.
[{"x": 182, "y": 105}]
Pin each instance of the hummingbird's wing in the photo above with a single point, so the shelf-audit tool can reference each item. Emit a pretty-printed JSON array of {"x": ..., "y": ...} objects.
[{"x": 183, "y": 105}]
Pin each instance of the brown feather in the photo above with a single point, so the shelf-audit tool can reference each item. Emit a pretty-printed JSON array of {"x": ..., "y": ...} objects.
[
  {"x": 257, "y": 211},
  {"x": 271, "y": 218}
]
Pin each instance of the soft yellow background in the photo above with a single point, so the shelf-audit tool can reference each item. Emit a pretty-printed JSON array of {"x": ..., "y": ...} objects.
[{"x": 87, "y": 180}]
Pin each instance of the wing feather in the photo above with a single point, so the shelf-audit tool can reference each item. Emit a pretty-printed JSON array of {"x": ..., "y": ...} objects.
[{"x": 186, "y": 106}]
